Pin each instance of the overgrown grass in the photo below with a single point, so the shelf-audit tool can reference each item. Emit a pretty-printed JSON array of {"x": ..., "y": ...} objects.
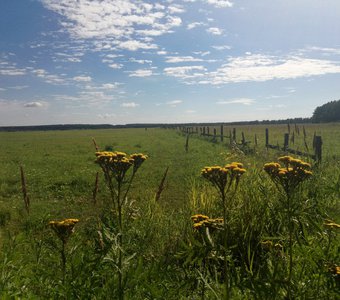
[{"x": 164, "y": 258}]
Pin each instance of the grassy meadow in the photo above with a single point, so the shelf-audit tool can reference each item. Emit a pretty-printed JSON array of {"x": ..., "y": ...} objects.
[{"x": 259, "y": 236}]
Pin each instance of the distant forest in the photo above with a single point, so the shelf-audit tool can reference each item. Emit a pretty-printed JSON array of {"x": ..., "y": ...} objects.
[{"x": 329, "y": 112}]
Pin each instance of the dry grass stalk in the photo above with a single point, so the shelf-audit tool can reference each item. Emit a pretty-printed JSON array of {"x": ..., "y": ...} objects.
[
  {"x": 187, "y": 144},
  {"x": 96, "y": 188},
  {"x": 24, "y": 190},
  {"x": 95, "y": 144},
  {"x": 161, "y": 186}
]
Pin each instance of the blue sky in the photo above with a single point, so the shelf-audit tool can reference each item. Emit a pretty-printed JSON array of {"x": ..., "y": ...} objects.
[{"x": 135, "y": 61}]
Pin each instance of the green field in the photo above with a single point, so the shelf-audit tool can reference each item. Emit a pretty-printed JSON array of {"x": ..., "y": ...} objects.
[{"x": 263, "y": 250}]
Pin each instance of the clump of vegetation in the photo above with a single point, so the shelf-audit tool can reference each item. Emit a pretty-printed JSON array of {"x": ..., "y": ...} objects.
[{"x": 250, "y": 230}]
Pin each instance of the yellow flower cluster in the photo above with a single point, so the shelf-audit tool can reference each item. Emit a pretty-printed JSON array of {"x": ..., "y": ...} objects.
[
  {"x": 119, "y": 162},
  {"x": 269, "y": 245},
  {"x": 291, "y": 174},
  {"x": 331, "y": 224},
  {"x": 202, "y": 221},
  {"x": 64, "y": 228},
  {"x": 219, "y": 175},
  {"x": 334, "y": 269}
]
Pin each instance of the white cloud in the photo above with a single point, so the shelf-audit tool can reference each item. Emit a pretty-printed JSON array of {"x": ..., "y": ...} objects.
[
  {"x": 12, "y": 72},
  {"x": 140, "y": 61},
  {"x": 244, "y": 101},
  {"x": 10, "y": 69},
  {"x": 179, "y": 59},
  {"x": 134, "y": 45},
  {"x": 220, "y": 48},
  {"x": 82, "y": 78},
  {"x": 220, "y": 3},
  {"x": 151, "y": 32},
  {"x": 185, "y": 72},
  {"x": 194, "y": 25},
  {"x": 34, "y": 104},
  {"x": 106, "y": 116},
  {"x": 105, "y": 19},
  {"x": 176, "y": 9},
  {"x": 174, "y": 103},
  {"x": 110, "y": 86},
  {"x": 18, "y": 87},
  {"x": 258, "y": 67},
  {"x": 129, "y": 104},
  {"x": 88, "y": 98},
  {"x": 115, "y": 66},
  {"x": 141, "y": 73},
  {"x": 214, "y": 31},
  {"x": 47, "y": 77}
]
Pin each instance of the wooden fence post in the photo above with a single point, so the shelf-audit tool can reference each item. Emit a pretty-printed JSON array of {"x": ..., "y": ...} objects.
[
  {"x": 204, "y": 131},
  {"x": 221, "y": 133},
  {"x": 214, "y": 132},
  {"x": 234, "y": 134},
  {"x": 243, "y": 139},
  {"x": 318, "y": 148},
  {"x": 286, "y": 141},
  {"x": 208, "y": 130},
  {"x": 267, "y": 137},
  {"x": 255, "y": 140}
]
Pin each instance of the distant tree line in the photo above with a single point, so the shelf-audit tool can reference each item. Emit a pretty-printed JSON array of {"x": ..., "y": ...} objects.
[{"x": 329, "y": 112}]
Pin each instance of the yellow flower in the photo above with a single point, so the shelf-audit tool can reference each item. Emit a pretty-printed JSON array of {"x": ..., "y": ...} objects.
[
  {"x": 331, "y": 224},
  {"x": 64, "y": 228},
  {"x": 199, "y": 218},
  {"x": 120, "y": 154},
  {"x": 285, "y": 159}
]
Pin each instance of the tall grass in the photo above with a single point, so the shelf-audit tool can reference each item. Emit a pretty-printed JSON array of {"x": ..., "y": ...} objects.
[{"x": 165, "y": 257}]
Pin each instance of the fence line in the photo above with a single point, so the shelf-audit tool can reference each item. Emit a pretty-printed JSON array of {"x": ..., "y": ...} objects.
[{"x": 287, "y": 138}]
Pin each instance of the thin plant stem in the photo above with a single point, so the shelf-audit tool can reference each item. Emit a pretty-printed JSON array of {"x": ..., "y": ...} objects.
[
  {"x": 63, "y": 261},
  {"x": 120, "y": 243},
  {"x": 225, "y": 243},
  {"x": 290, "y": 245}
]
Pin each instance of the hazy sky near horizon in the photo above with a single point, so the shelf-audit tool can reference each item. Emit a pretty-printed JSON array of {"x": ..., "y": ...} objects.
[{"x": 137, "y": 61}]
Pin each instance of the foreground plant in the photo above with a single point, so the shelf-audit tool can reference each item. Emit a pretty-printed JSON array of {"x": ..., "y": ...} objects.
[
  {"x": 225, "y": 180},
  {"x": 115, "y": 166},
  {"x": 288, "y": 178},
  {"x": 63, "y": 230}
]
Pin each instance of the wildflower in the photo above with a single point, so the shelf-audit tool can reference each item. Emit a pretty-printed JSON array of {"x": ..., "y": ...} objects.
[
  {"x": 198, "y": 218},
  {"x": 291, "y": 175},
  {"x": 266, "y": 245},
  {"x": 334, "y": 269},
  {"x": 220, "y": 176},
  {"x": 138, "y": 159},
  {"x": 331, "y": 224},
  {"x": 64, "y": 228},
  {"x": 203, "y": 221}
]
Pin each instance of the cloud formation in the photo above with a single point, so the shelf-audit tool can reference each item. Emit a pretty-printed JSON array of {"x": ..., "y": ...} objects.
[
  {"x": 129, "y": 105},
  {"x": 256, "y": 68},
  {"x": 141, "y": 73},
  {"x": 244, "y": 101},
  {"x": 34, "y": 104},
  {"x": 82, "y": 78}
]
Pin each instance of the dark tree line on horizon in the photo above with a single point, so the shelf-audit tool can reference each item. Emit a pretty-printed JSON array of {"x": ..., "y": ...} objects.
[{"x": 329, "y": 112}]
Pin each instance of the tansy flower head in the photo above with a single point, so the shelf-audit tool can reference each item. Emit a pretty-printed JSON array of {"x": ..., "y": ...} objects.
[
  {"x": 64, "y": 228},
  {"x": 331, "y": 224}
]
